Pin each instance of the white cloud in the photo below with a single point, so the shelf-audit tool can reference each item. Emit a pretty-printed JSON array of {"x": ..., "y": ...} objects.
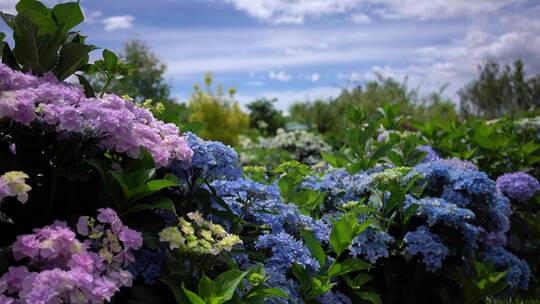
[
  {"x": 254, "y": 83},
  {"x": 287, "y": 97},
  {"x": 118, "y": 22},
  {"x": 315, "y": 77},
  {"x": 279, "y": 75},
  {"x": 287, "y": 11},
  {"x": 8, "y": 6},
  {"x": 360, "y": 18},
  {"x": 91, "y": 17}
]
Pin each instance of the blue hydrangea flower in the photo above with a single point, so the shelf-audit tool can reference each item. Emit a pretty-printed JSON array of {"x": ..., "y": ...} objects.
[
  {"x": 460, "y": 198},
  {"x": 372, "y": 244},
  {"x": 439, "y": 210},
  {"x": 429, "y": 245},
  {"x": 264, "y": 204},
  {"x": 334, "y": 298},
  {"x": 519, "y": 273},
  {"x": 278, "y": 279},
  {"x": 286, "y": 250},
  {"x": 147, "y": 264},
  {"x": 340, "y": 186},
  {"x": 518, "y": 186},
  {"x": 431, "y": 156},
  {"x": 211, "y": 160},
  {"x": 321, "y": 228}
]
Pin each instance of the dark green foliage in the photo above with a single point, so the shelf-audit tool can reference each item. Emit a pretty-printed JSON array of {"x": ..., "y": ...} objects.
[
  {"x": 44, "y": 40},
  {"x": 500, "y": 90},
  {"x": 264, "y": 117}
]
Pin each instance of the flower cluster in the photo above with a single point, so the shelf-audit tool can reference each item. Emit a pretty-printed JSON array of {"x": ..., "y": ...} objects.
[
  {"x": 286, "y": 251},
  {"x": 429, "y": 245},
  {"x": 198, "y": 236},
  {"x": 13, "y": 184},
  {"x": 63, "y": 269},
  {"x": 211, "y": 160},
  {"x": 304, "y": 146},
  {"x": 518, "y": 272},
  {"x": 431, "y": 154},
  {"x": 118, "y": 124},
  {"x": 372, "y": 244},
  {"x": 518, "y": 186}
]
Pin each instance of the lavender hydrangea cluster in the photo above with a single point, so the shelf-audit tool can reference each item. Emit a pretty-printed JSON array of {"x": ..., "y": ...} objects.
[
  {"x": 429, "y": 245},
  {"x": 518, "y": 186},
  {"x": 118, "y": 124},
  {"x": 211, "y": 160},
  {"x": 62, "y": 269}
]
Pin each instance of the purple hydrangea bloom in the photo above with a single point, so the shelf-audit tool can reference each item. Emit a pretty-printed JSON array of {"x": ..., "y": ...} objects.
[
  {"x": 429, "y": 245},
  {"x": 66, "y": 270},
  {"x": 518, "y": 186},
  {"x": 118, "y": 124},
  {"x": 519, "y": 273}
]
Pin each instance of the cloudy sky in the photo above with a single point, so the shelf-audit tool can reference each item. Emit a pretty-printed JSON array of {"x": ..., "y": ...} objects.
[{"x": 307, "y": 49}]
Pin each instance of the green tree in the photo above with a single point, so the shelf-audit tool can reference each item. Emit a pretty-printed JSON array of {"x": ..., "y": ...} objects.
[
  {"x": 500, "y": 90},
  {"x": 220, "y": 113},
  {"x": 264, "y": 116},
  {"x": 146, "y": 78}
]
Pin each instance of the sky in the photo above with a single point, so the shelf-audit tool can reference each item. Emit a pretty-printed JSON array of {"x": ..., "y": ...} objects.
[{"x": 296, "y": 50}]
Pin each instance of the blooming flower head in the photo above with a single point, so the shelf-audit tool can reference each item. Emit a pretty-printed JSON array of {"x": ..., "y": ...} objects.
[
  {"x": 198, "y": 236},
  {"x": 13, "y": 184},
  {"x": 66, "y": 270},
  {"x": 211, "y": 160},
  {"x": 118, "y": 124},
  {"x": 518, "y": 186},
  {"x": 518, "y": 272},
  {"x": 427, "y": 244}
]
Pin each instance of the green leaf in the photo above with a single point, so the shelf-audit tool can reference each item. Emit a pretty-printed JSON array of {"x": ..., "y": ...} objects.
[
  {"x": 160, "y": 203},
  {"x": 72, "y": 57},
  {"x": 27, "y": 48},
  {"x": 225, "y": 285},
  {"x": 31, "y": 5},
  {"x": 314, "y": 247},
  {"x": 261, "y": 291},
  {"x": 88, "y": 89},
  {"x": 68, "y": 15},
  {"x": 302, "y": 276},
  {"x": 111, "y": 61},
  {"x": 193, "y": 297},
  {"x": 349, "y": 265},
  {"x": 205, "y": 287},
  {"x": 370, "y": 297},
  {"x": 341, "y": 236},
  {"x": 176, "y": 289},
  {"x": 381, "y": 151}
]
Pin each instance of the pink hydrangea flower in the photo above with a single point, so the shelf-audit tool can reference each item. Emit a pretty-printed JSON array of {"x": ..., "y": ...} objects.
[{"x": 118, "y": 124}]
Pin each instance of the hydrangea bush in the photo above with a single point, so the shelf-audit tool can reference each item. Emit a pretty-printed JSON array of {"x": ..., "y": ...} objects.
[{"x": 101, "y": 202}]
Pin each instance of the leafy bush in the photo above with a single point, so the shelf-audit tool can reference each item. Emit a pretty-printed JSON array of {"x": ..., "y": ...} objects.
[{"x": 102, "y": 202}]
